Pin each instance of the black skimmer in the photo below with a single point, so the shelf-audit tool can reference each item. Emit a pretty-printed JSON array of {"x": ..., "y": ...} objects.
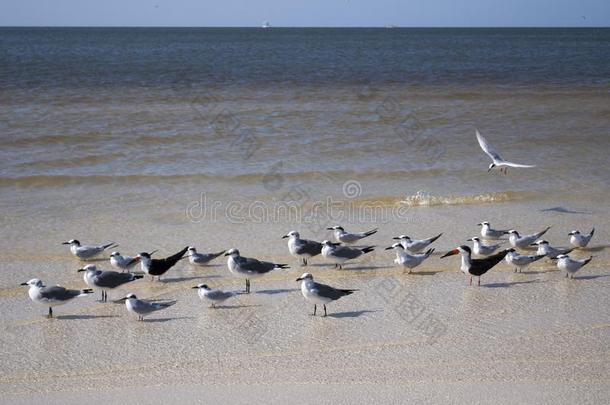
[
  {"x": 158, "y": 267},
  {"x": 475, "y": 267}
]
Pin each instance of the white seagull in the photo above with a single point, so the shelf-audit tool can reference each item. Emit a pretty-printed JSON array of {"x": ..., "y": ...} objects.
[
  {"x": 488, "y": 233},
  {"x": 569, "y": 265},
  {"x": 87, "y": 252},
  {"x": 497, "y": 160},
  {"x": 579, "y": 240},
  {"x": 106, "y": 280},
  {"x": 249, "y": 268},
  {"x": 481, "y": 249},
  {"x": 521, "y": 242},
  {"x": 407, "y": 260},
  {"x": 52, "y": 296},
  {"x": 318, "y": 293},
  {"x": 213, "y": 295},
  {"x": 302, "y": 247},
  {"x": 123, "y": 262},
  {"x": 416, "y": 245},
  {"x": 340, "y": 254},
  {"x": 143, "y": 308},
  {"x": 349, "y": 237},
  {"x": 520, "y": 261},
  {"x": 201, "y": 259},
  {"x": 544, "y": 248}
]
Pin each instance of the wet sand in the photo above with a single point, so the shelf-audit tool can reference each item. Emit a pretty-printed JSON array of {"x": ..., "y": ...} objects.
[{"x": 531, "y": 337}]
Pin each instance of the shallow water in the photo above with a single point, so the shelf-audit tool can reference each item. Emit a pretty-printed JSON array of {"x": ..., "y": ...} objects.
[{"x": 158, "y": 139}]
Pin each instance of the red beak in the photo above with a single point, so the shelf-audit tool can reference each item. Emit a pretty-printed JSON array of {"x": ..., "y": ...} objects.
[{"x": 451, "y": 253}]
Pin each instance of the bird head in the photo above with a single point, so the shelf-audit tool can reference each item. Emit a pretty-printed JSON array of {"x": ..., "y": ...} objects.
[
  {"x": 89, "y": 267},
  {"x": 336, "y": 228},
  {"x": 72, "y": 242},
  {"x": 574, "y": 233},
  {"x": 34, "y": 282},
  {"x": 232, "y": 252},
  {"x": 305, "y": 276},
  {"x": 291, "y": 234},
  {"x": 460, "y": 249},
  {"x": 395, "y": 246},
  {"x": 491, "y": 166}
]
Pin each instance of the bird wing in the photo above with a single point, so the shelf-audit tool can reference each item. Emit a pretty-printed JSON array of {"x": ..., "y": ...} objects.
[
  {"x": 487, "y": 147},
  {"x": 58, "y": 293},
  {"x": 218, "y": 295},
  {"x": 112, "y": 279},
  {"x": 511, "y": 164},
  {"x": 255, "y": 266},
  {"x": 330, "y": 292},
  {"x": 173, "y": 259},
  {"x": 309, "y": 247},
  {"x": 346, "y": 252}
]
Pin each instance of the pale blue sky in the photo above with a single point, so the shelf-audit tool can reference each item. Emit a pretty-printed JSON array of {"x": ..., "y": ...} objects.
[{"x": 287, "y": 13}]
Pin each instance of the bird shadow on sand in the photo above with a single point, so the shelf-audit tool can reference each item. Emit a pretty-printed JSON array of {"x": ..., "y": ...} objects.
[
  {"x": 351, "y": 314},
  {"x": 539, "y": 271},
  {"x": 234, "y": 306},
  {"x": 179, "y": 279},
  {"x": 74, "y": 317},
  {"x": 510, "y": 284},
  {"x": 421, "y": 273},
  {"x": 277, "y": 291},
  {"x": 591, "y": 277},
  {"x": 350, "y": 268},
  {"x": 167, "y": 319},
  {"x": 101, "y": 259},
  {"x": 597, "y": 248},
  {"x": 564, "y": 210}
]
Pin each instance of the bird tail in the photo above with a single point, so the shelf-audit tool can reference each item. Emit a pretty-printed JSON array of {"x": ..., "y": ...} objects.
[
  {"x": 543, "y": 232},
  {"x": 218, "y": 253},
  {"x": 436, "y": 237},
  {"x": 588, "y": 260},
  {"x": 348, "y": 292},
  {"x": 592, "y": 232},
  {"x": 538, "y": 257},
  {"x": 281, "y": 266},
  {"x": 165, "y": 304},
  {"x": 110, "y": 245},
  {"x": 175, "y": 257},
  {"x": 429, "y": 251},
  {"x": 85, "y": 292},
  {"x": 137, "y": 276},
  {"x": 371, "y": 232},
  {"x": 368, "y": 249}
]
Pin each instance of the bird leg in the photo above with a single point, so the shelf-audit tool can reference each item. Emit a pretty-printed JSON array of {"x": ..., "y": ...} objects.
[
  {"x": 324, "y": 309},
  {"x": 315, "y": 307},
  {"x": 304, "y": 261},
  {"x": 50, "y": 313},
  {"x": 336, "y": 265},
  {"x": 470, "y": 281},
  {"x": 247, "y": 286},
  {"x": 340, "y": 267},
  {"x": 479, "y": 283}
]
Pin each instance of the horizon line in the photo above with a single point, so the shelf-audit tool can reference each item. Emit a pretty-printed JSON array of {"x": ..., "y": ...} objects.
[{"x": 390, "y": 26}]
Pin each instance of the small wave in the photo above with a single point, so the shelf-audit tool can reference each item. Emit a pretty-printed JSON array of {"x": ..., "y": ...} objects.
[{"x": 427, "y": 199}]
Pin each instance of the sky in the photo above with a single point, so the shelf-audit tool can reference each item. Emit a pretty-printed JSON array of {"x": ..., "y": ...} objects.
[{"x": 307, "y": 13}]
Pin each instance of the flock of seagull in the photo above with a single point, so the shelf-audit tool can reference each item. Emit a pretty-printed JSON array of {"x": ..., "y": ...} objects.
[{"x": 410, "y": 253}]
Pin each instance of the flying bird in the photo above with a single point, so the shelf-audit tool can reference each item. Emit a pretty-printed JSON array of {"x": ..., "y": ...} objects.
[
  {"x": 497, "y": 160},
  {"x": 320, "y": 294}
]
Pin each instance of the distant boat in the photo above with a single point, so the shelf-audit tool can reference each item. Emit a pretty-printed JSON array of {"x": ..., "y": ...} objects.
[{"x": 266, "y": 25}]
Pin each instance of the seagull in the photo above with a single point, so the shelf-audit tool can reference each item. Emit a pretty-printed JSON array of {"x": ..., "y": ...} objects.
[
  {"x": 158, "y": 267},
  {"x": 497, "y": 160},
  {"x": 201, "y": 259},
  {"x": 213, "y": 295},
  {"x": 521, "y": 261},
  {"x": 106, "y": 280},
  {"x": 545, "y": 249},
  {"x": 475, "y": 267},
  {"x": 320, "y": 293},
  {"x": 404, "y": 259},
  {"x": 521, "y": 242},
  {"x": 347, "y": 237},
  {"x": 52, "y": 296},
  {"x": 488, "y": 233},
  {"x": 483, "y": 250},
  {"x": 579, "y": 240},
  {"x": 87, "y": 252},
  {"x": 569, "y": 265},
  {"x": 416, "y": 245},
  {"x": 340, "y": 254},
  {"x": 250, "y": 268},
  {"x": 302, "y": 247},
  {"x": 143, "y": 308},
  {"x": 123, "y": 262}
]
